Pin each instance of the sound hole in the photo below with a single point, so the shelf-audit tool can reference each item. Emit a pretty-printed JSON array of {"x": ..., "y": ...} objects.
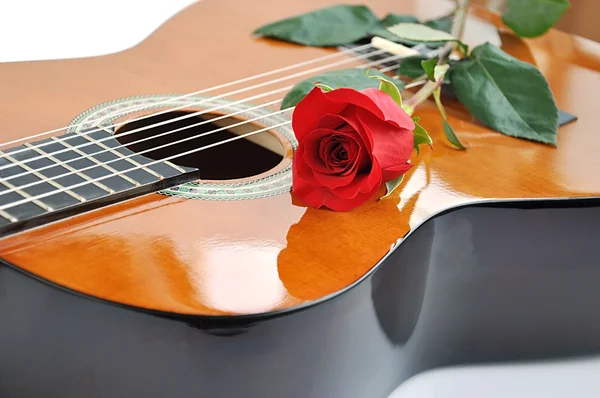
[{"x": 240, "y": 158}]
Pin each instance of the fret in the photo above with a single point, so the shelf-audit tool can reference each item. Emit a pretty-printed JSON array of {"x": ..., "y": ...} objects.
[
  {"x": 165, "y": 169},
  {"x": 24, "y": 194},
  {"x": 95, "y": 160},
  {"x": 7, "y": 216},
  {"x": 23, "y": 159},
  {"x": 65, "y": 174},
  {"x": 22, "y": 211},
  {"x": 120, "y": 155},
  {"x": 86, "y": 167},
  {"x": 180, "y": 169},
  {"x": 41, "y": 176},
  {"x": 70, "y": 169},
  {"x": 118, "y": 158}
]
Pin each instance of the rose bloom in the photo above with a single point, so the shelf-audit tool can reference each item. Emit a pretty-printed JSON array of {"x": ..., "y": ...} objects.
[{"x": 349, "y": 143}]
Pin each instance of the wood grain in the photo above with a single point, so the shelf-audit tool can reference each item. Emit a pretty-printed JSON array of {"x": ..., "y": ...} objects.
[{"x": 209, "y": 257}]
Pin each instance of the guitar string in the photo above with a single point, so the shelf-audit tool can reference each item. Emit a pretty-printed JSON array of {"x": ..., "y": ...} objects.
[
  {"x": 16, "y": 188},
  {"x": 343, "y": 50},
  {"x": 239, "y": 81},
  {"x": 112, "y": 137},
  {"x": 386, "y": 69},
  {"x": 87, "y": 182},
  {"x": 67, "y": 149},
  {"x": 342, "y": 62}
]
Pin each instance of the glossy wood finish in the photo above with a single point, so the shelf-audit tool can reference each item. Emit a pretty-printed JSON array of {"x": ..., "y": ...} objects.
[{"x": 202, "y": 257}]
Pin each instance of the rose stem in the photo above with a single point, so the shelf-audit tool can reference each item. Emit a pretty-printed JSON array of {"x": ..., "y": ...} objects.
[
  {"x": 417, "y": 82},
  {"x": 458, "y": 27}
]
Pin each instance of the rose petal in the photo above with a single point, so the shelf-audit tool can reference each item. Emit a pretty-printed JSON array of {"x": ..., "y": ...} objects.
[
  {"x": 300, "y": 166},
  {"x": 331, "y": 121},
  {"x": 394, "y": 172},
  {"x": 312, "y": 144},
  {"x": 332, "y": 181},
  {"x": 361, "y": 158},
  {"x": 346, "y": 121},
  {"x": 351, "y": 127},
  {"x": 359, "y": 154},
  {"x": 310, "y": 109},
  {"x": 351, "y": 147},
  {"x": 341, "y": 152},
  {"x": 392, "y": 112},
  {"x": 339, "y": 155},
  {"x": 350, "y": 117},
  {"x": 337, "y": 204},
  {"x": 340, "y": 199},
  {"x": 312, "y": 195},
  {"x": 345, "y": 175},
  {"x": 318, "y": 197},
  {"x": 326, "y": 146},
  {"x": 392, "y": 146},
  {"x": 338, "y": 158},
  {"x": 356, "y": 149},
  {"x": 374, "y": 101},
  {"x": 353, "y": 97},
  {"x": 362, "y": 183},
  {"x": 316, "y": 103}
]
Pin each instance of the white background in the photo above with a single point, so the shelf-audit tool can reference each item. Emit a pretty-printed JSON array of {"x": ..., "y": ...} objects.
[{"x": 54, "y": 29}]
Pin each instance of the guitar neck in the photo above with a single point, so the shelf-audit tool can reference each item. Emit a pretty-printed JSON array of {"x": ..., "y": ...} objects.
[{"x": 58, "y": 177}]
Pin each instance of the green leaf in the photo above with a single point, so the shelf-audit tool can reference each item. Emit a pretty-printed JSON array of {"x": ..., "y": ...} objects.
[
  {"x": 531, "y": 18},
  {"x": 387, "y": 86},
  {"x": 392, "y": 185},
  {"x": 424, "y": 34},
  {"x": 420, "y": 33},
  {"x": 440, "y": 71},
  {"x": 422, "y": 137},
  {"x": 444, "y": 23},
  {"x": 331, "y": 26},
  {"x": 509, "y": 95},
  {"x": 448, "y": 130},
  {"x": 451, "y": 135},
  {"x": 412, "y": 67},
  {"x": 428, "y": 66},
  {"x": 391, "y": 19},
  {"x": 352, "y": 78}
]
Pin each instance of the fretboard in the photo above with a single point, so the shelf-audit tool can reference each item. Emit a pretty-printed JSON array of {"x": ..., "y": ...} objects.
[{"x": 75, "y": 173}]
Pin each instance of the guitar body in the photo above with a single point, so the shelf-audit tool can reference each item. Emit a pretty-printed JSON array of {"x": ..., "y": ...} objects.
[{"x": 229, "y": 286}]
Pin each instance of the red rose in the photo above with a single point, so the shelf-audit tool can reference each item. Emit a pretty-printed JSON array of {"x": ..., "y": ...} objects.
[{"x": 349, "y": 143}]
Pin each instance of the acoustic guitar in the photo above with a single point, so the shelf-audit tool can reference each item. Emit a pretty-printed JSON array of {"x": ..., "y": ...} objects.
[{"x": 152, "y": 247}]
